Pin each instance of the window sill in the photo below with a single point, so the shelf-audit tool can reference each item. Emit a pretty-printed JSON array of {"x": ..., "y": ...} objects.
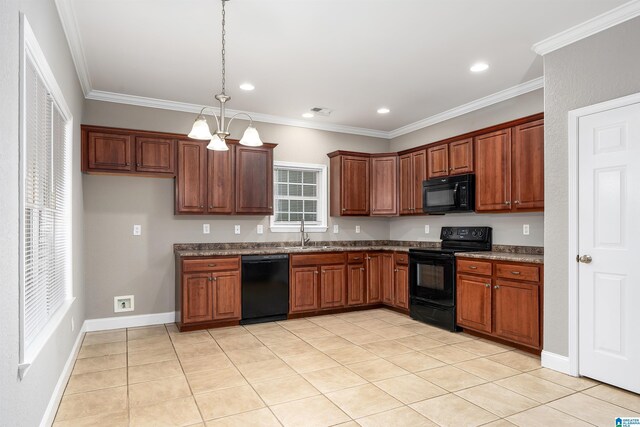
[{"x": 296, "y": 229}]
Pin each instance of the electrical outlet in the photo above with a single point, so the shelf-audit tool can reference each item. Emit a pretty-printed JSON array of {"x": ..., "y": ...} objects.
[
  {"x": 137, "y": 230},
  {"x": 260, "y": 229},
  {"x": 357, "y": 229},
  {"x": 236, "y": 229},
  {"x": 336, "y": 228},
  {"x": 73, "y": 324},
  {"x": 206, "y": 228},
  {"x": 525, "y": 229},
  {"x": 426, "y": 229},
  {"x": 123, "y": 303}
]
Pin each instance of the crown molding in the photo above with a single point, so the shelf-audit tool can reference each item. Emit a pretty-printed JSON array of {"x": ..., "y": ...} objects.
[
  {"x": 70, "y": 26},
  {"x": 142, "y": 101},
  {"x": 588, "y": 28},
  {"x": 503, "y": 95}
]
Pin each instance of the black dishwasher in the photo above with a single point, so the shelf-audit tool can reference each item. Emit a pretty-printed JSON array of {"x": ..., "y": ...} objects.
[{"x": 265, "y": 288}]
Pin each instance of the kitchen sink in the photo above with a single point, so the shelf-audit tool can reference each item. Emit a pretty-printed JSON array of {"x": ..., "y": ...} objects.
[{"x": 309, "y": 248}]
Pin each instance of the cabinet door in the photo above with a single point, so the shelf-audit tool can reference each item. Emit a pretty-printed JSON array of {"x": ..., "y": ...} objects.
[
  {"x": 419, "y": 159},
  {"x": 528, "y": 166},
  {"x": 332, "y": 286},
  {"x": 191, "y": 181},
  {"x": 387, "y": 278},
  {"x": 401, "y": 292},
  {"x": 461, "y": 156},
  {"x": 197, "y": 298},
  {"x": 517, "y": 312},
  {"x": 304, "y": 289},
  {"x": 384, "y": 185},
  {"x": 473, "y": 304},
  {"x": 374, "y": 269},
  {"x": 220, "y": 186},
  {"x": 356, "y": 281},
  {"x": 438, "y": 161},
  {"x": 493, "y": 171},
  {"x": 406, "y": 184},
  {"x": 226, "y": 295},
  {"x": 254, "y": 180},
  {"x": 109, "y": 152},
  {"x": 355, "y": 185},
  {"x": 155, "y": 155}
]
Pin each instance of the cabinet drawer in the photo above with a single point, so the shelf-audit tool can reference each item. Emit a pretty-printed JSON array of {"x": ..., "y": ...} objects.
[
  {"x": 355, "y": 257},
  {"x": 317, "y": 259},
  {"x": 210, "y": 264},
  {"x": 402, "y": 259},
  {"x": 474, "y": 267},
  {"x": 530, "y": 273}
]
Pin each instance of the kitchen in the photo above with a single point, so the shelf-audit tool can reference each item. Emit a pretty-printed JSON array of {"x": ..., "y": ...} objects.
[{"x": 117, "y": 263}]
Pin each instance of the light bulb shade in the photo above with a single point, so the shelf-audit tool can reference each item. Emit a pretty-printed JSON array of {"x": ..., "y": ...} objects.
[
  {"x": 200, "y": 129},
  {"x": 217, "y": 144},
  {"x": 251, "y": 137}
]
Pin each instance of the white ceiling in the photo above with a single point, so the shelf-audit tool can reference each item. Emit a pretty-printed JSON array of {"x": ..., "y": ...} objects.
[{"x": 352, "y": 56}]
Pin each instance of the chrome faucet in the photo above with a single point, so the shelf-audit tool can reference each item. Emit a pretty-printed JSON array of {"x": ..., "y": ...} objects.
[{"x": 304, "y": 237}]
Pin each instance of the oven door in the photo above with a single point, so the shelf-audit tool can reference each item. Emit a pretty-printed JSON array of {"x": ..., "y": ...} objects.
[
  {"x": 432, "y": 278},
  {"x": 441, "y": 197}
]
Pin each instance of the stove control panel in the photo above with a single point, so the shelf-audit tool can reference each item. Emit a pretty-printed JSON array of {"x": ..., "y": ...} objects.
[{"x": 466, "y": 234}]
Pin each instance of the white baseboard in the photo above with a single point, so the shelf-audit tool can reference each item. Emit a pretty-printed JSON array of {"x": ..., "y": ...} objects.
[
  {"x": 58, "y": 391},
  {"x": 107, "y": 323},
  {"x": 556, "y": 362}
]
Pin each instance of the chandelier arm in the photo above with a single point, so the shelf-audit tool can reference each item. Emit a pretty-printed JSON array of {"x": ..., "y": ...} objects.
[
  {"x": 213, "y": 113},
  {"x": 239, "y": 114}
]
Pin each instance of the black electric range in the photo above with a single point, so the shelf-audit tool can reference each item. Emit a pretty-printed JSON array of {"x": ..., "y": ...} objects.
[{"x": 432, "y": 274}]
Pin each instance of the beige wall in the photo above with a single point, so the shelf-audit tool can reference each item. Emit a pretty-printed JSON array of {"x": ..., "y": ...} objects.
[
  {"x": 507, "y": 228},
  {"x": 23, "y": 403},
  {"x": 602, "y": 67},
  {"x": 120, "y": 264}
]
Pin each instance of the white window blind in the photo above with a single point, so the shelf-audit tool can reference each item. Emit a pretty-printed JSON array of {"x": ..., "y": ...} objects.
[{"x": 46, "y": 206}]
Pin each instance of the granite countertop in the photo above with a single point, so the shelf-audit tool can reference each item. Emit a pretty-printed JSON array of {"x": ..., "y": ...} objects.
[
  {"x": 287, "y": 250},
  {"x": 504, "y": 256}
]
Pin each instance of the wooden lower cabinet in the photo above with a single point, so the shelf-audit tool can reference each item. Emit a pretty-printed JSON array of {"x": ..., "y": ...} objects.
[
  {"x": 208, "y": 292},
  {"x": 303, "y": 289},
  {"x": 374, "y": 278},
  {"x": 356, "y": 284},
  {"x": 332, "y": 286},
  {"x": 509, "y": 309},
  {"x": 401, "y": 291}
]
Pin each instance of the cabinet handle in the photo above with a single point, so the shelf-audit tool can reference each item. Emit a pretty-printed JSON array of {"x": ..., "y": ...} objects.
[
  {"x": 270, "y": 207},
  {"x": 138, "y": 164},
  {"x": 507, "y": 203},
  {"x": 450, "y": 169},
  {"x": 517, "y": 202},
  {"x": 127, "y": 164},
  {"x": 396, "y": 270},
  {"x": 210, "y": 207},
  {"x": 211, "y": 265},
  {"x": 517, "y": 273},
  {"x": 473, "y": 267},
  {"x": 487, "y": 285},
  {"x": 324, "y": 272},
  {"x": 361, "y": 269},
  {"x": 210, "y": 279},
  {"x": 202, "y": 206},
  {"x": 344, "y": 209},
  {"x": 215, "y": 278},
  {"x": 315, "y": 272},
  {"x": 496, "y": 287},
  {"x": 356, "y": 257},
  {"x": 368, "y": 257}
]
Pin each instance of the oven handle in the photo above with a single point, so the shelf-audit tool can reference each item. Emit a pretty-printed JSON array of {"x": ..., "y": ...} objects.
[
  {"x": 455, "y": 196},
  {"x": 430, "y": 257}
]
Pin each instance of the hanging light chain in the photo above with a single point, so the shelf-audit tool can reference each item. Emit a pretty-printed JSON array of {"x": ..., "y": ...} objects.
[{"x": 223, "y": 48}]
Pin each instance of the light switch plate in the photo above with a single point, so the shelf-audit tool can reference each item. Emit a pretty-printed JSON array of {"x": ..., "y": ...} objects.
[
  {"x": 525, "y": 229},
  {"x": 357, "y": 229},
  {"x": 137, "y": 230},
  {"x": 426, "y": 229},
  {"x": 236, "y": 229},
  {"x": 336, "y": 228},
  {"x": 206, "y": 229},
  {"x": 260, "y": 229}
]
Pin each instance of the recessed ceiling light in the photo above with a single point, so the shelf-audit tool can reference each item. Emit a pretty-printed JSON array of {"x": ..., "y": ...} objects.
[
  {"x": 307, "y": 115},
  {"x": 479, "y": 67},
  {"x": 383, "y": 110},
  {"x": 247, "y": 86}
]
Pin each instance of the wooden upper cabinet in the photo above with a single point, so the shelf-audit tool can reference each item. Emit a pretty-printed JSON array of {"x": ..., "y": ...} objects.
[
  {"x": 528, "y": 166},
  {"x": 107, "y": 152},
  {"x": 254, "y": 180},
  {"x": 303, "y": 289},
  {"x": 156, "y": 155},
  {"x": 473, "y": 306},
  {"x": 517, "y": 312},
  {"x": 493, "y": 171},
  {"x": 453, "y": 158},
  {"x": 384, "y": 185},
  {"x": 349, "y": 184},
  {"x": 220, "y": 182},
  {"x": 438, "y": 161},
  {"x": 197, "y": 299},
  {"x": 413, "y": 171},
  {"x": 191, "y": 181},
  {"x": 332, "y": 286},
  {"x": 226, "y": 295}
]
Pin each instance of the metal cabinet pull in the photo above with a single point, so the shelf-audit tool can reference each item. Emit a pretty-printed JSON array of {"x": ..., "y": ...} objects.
[
  {"x": 507, "y": 203},
  {"x": 357, "y": 257},
  {"x": 211, "y": 265},
  {"x": 517, "y": 273},
  {"x": 315, "y": 272},
  {"x": 361, "y": 269},
  {"x": 516, "y": 202},
  {"x": 496, "y": 287},
  {"x": 473, "y": 267}
]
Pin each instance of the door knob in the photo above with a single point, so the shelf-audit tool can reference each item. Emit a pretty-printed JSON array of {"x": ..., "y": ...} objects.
[{"x": 585, "y": 259}]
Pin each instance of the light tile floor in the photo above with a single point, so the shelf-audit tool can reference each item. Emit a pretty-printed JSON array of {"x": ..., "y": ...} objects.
[{"x": 368, "y": 368}]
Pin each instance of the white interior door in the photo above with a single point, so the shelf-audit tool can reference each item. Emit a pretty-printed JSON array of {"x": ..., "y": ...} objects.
[{"x": 609, "y": 232}]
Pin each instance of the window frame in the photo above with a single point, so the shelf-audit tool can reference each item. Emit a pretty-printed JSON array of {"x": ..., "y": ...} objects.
[
  {"x": 322, "y": 210},
  {"x": 30, "y": 50}
]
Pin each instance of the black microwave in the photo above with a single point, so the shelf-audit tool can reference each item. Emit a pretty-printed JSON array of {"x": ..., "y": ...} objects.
[{"x": 450, "y": 194}]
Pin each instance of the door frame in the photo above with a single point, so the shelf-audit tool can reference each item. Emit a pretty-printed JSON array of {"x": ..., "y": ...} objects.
[{"x": 574, "y": 211}]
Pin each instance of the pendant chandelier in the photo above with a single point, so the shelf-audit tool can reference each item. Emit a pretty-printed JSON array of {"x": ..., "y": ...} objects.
[{"x": 200, "y": 129}]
